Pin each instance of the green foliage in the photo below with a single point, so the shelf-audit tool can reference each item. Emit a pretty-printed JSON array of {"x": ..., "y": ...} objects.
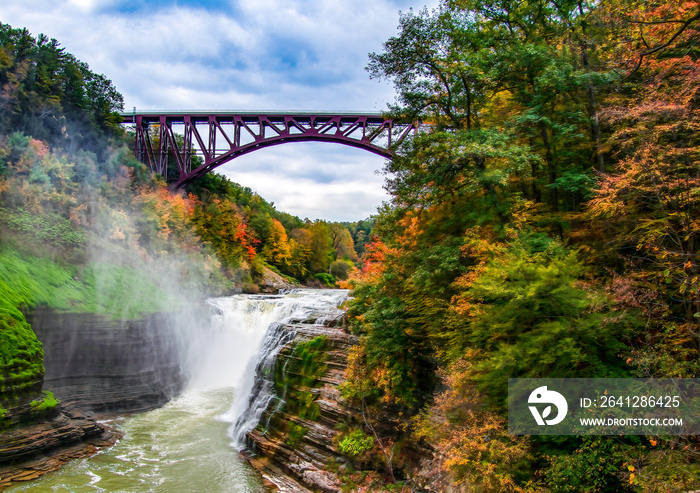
[
  {"x": 361, "y": 233},
  {"x": 45, "y": 405},
  {"x": 355, "y": 443},
  {"x": 483, "y": 257},
  {"x": 322, "y": 251},
  {"x": 21, "y": 353},
  {"x": 340, "y": 269},
  {"x": 295, "y": 433},
  {"x": 326, "y": 279},
  {"x": 597, "y": 465},
  {"x": 529, "y": 318},
  {"x": 49, "y": 93},
  {"x": 118, "y": 291},
  {"x": 398, "y": 347},
  {"x": 309, "y": 366},
  {"x": 49, "y": 228},
  {"x": 296, "y": 378}
]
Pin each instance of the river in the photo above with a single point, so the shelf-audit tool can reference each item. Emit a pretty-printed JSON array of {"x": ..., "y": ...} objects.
[{"x": 188, "y": 445}]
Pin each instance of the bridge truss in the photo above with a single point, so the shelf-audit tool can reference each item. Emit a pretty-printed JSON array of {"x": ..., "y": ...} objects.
[{"x": 220, "y": 137}]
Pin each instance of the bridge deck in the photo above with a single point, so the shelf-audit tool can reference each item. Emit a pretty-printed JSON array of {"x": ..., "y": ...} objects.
[{"x": 249, "y": 116}]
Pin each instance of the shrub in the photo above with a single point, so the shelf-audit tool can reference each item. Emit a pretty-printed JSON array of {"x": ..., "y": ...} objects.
[
  {"x": 355, "y": 443},
  {"x": 326, "y": 279}
]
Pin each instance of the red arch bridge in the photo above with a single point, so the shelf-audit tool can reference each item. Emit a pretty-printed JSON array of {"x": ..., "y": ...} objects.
[{"x": 219, "y": 137}]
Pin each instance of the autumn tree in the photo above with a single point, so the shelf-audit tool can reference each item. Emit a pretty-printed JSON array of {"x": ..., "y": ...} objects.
[
  {"x": 650, "y": 200},
  {"x": 277, "y": 250},
  {"x": 342, "y": 241},
  {"x": 322, "y": 251},
  {"x": 521, "y": 98}
]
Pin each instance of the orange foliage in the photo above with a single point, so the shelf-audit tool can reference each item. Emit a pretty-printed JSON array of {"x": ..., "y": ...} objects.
[
  {"x": 39, "y": 148},
  {"x": 373, "y": 266},
  {"x": 652, "y": 197},
  {"x": 247, "y": 239},
  {"x": 172, "y": 211},
  {"x": 472, "y": 443},
  {"x": 644, "y": 31}
]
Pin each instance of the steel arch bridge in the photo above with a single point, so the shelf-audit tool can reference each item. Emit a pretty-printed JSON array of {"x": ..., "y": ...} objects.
[{"x": 219, "y": 137}]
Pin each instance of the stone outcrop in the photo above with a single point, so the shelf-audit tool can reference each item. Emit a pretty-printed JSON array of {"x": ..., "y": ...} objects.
[
  {"x": 272, "y": 282},
  {"x": 28, "y": 452},
  {"x": 298, "y": 451}
]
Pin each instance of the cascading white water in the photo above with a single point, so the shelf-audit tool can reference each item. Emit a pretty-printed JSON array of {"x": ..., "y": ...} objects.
[
  {"x": 267, "y": 336},
  {"x": 184, "y": 445},
  {"x": 246, "y": 412},
  {"x": 245, "y": 334},
  {"x": 218, "y": 355}
]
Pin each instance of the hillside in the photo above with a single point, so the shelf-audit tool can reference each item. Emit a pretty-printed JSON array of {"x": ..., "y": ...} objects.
[{"x": 87, "y": 229}]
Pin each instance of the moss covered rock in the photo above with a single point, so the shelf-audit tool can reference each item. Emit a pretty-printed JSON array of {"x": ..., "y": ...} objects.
[{"x": 21, "y": 353}]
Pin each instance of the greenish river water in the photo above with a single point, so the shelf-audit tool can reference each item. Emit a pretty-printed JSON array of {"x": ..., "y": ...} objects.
[
  {"x": 181, "y": 447},
  {"x": 191, "y": 444}
]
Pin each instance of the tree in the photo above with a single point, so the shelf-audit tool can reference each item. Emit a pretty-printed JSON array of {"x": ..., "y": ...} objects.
[
  {"x": 523, "y": 66},
  {"x": 277, "y": 250},
  {"x": 300, "y": 244},
  {"x": 650, "y": 200},
  {"x": 525, "y": 314},
  {"x": 48, "y": 93},
  {"x": 342, "y": 241},
  {"x": 322, "y": 251}
]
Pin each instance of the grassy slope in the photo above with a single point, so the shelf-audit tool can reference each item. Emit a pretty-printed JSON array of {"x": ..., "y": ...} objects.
[{"x": 26, "y": 281}]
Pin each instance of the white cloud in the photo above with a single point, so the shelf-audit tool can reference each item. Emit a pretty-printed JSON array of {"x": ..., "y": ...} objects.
[
  {"x": 261, "y": 55},
  {"x": 343, "y": 184}
]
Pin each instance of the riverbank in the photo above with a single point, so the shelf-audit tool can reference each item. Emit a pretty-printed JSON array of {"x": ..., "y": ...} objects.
[{"x": 27, "y": 453}]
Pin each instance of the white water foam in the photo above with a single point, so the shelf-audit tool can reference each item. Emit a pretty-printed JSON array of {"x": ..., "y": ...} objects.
[{"x": 247, "y": 333}]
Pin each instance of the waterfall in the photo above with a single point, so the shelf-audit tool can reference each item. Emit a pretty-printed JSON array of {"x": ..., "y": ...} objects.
[
  {"x": 239, "y": 348},
  {"x": 247, "y": 412},
  {"x": 185, "y": 445}
]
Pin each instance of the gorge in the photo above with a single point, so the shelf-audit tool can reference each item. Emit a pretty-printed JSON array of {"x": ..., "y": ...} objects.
[
  {"x": 205, "y": 362},
  {"x": 543, "y": 223}
]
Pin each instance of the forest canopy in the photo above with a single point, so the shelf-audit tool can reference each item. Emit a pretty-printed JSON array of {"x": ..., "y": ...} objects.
[{"x": 545, "y": 226}]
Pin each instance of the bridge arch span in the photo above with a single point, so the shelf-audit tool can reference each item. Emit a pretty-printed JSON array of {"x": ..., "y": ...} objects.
[{"x": 223, "y": 136}]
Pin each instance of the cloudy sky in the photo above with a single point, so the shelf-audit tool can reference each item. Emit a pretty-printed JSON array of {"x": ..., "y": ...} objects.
[{"x": 244, "y": 55}]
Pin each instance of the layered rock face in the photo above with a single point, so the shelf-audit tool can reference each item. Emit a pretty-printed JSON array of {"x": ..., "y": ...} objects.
[
  {"x": 28, "y": 452},
  {"x": 293, "y": 449},
  {"x": 101, "y": 365},
  {"x": 296, "y": 445},
  {"x": 92, "y": 364}
]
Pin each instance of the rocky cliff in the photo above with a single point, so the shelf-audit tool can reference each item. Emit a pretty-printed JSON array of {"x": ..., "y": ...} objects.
[
  {"x": 312, "y": 439},
  {"x": 92, "y": 364},
  {"x": 27, "y": 452},
  {"x": 102, "y": 365}
]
